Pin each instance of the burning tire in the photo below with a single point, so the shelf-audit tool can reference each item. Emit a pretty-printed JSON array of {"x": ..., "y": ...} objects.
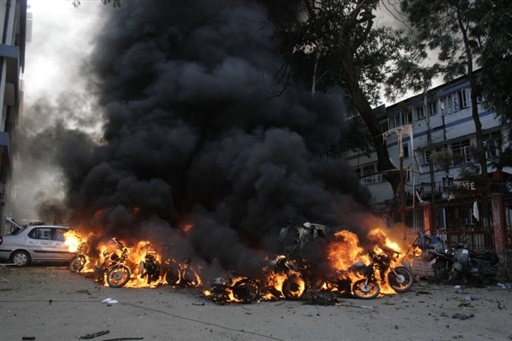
[
  {"x": 364, "y": 290},
  {"x": 77, "y": 263},
  {"x": 172, "y": 276},
  {"x": 246, "y": 290},
  {"x": 294, "y": 287},
  {"x": 402, "y": 280},
  {"x": 191, "y": 278},
  {"x": 118, "y": 276}
]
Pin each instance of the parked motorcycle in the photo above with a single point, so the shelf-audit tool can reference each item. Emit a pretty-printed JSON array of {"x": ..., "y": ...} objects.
[
  {"x": 234, "y": 287},
  {"x": 295, "y": 283},
  {"x": 442, "y": 262},
  {"x": 440, "y": 257},
  {"x": 118, "y": 274},
  {"x": 469, "y": 264}
]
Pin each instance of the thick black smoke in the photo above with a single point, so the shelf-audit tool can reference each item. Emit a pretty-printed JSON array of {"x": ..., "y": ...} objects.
[{"x": 205, "y": 128}]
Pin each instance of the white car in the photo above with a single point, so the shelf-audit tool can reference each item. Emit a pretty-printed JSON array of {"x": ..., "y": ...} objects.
[{"x": 34, "y": 243}]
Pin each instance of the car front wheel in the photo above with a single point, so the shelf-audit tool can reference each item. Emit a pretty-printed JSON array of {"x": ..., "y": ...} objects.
[{"x": 20, "y": 258}]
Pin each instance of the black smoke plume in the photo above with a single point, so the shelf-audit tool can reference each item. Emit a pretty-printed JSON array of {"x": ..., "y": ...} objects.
[{"x": 209, "y": 146}]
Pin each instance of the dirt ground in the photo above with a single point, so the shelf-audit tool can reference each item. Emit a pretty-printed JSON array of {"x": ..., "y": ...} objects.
[{"x": 51, "y": 303}]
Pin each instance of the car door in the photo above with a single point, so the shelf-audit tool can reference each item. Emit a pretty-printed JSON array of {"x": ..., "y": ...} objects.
[
  {"x": 41, "y": 246},
  {"x": 61, "y": 249}
]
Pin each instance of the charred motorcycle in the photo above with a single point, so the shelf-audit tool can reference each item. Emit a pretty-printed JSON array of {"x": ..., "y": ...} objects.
[
  {"x": 469, "y": 264},
  {"x": 234, "y": 288},
  {"x": 150, "y": 267},
  {"x": 295, "y": 282}
]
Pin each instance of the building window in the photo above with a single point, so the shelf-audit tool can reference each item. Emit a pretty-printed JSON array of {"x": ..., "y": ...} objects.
[
  {"x": 432, "y": 108},
  {"x": 406, "y": 118},
  {"x": 405, "y": 149},
  {"x": 384, "y": 125},
  {"x": 461, "y": 152},
  {"x": 465, "y": 98},
  {"x": 451, "y": 103},
  {"x": 396, "y": 121},
  {"x": 419, "y": 112},
  {"x": 367, "y": 174}
]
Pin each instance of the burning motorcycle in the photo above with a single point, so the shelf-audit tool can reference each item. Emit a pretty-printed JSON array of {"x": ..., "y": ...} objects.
[
  {"x": 367, "y": 287},
  {"x": 294, "y": 285},
  {"x": 181, "y": 273},
  {"x": 469, "y": 264},
  {"x": 150, "y": 267},
  {"x": 234, "y": 287},
  {"x": 173, "y": 272},
  {"x": 400, "y": 278},
  {"x": 117, "y": 273},
  {"x": 78, "y": 262}
]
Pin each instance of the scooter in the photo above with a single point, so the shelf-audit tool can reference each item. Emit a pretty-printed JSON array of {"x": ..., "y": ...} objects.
[{"x": 469, "y": 264}]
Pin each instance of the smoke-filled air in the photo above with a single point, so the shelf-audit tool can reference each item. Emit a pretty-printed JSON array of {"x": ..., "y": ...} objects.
[{"x": 208, "y": 147}]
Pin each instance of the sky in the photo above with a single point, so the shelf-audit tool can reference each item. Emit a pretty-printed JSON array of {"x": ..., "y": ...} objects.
[{"x": 61, "y": 37}]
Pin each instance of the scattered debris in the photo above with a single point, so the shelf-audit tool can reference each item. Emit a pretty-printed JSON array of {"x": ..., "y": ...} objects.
[
  {"x": 109, "y": 301},
  {"x": 93, "y": 335},
  {"x": 471, "y": 298},
  {"x": 499, "y": 305},
  {"x": 462, "y": 316},
  {"x": 507, "y": 286}
]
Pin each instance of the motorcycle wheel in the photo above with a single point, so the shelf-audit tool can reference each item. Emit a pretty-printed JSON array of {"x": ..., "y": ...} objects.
[
  {"x": 441, "y": 270},
  {"x": 77, "y": 263},
  {"x": 246, "y": 290},
  {"x": 118, "y": 276},
  {"x": 191, "y": 278},
  {"x": 294, "y": 287},
  {"x": 402, "y": 280},
  {"x": 172, "y": 276},
  {"x": 366, "y": 291}
]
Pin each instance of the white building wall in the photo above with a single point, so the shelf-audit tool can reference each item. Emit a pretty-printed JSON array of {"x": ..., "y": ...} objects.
[{"x": 450, "y": 122}]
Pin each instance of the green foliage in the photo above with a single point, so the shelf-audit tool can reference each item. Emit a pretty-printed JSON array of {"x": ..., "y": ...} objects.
[
  {"x": 496, "y": 57},
  {"x": 448, "y": 27}
]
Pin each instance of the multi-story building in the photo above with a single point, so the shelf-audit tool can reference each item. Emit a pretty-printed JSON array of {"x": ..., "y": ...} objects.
[
  {"x": 447, "y": 117},
  {"x": 13, "y": 28}
]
